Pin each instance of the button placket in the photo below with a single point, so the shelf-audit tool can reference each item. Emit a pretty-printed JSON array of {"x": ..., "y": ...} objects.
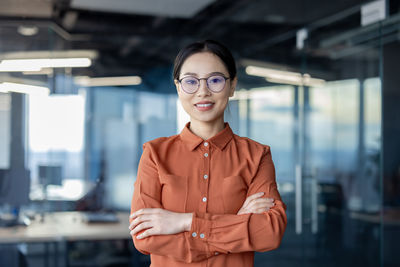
[{"x": 206, "y": 156}]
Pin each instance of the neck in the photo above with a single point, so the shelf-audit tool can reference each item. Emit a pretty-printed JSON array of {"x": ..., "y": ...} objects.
[{"x": 206, "y": 130}]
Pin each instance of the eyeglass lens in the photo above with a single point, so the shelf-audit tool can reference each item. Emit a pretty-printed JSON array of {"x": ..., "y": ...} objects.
[{"x": 214, "y": 83}]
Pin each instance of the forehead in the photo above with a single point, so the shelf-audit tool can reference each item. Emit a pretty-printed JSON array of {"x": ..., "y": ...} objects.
[{"x": 203, "y": 63}]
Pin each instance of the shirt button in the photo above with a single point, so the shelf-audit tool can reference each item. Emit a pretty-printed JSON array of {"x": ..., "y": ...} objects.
[
  {"x": 206, "y": 155},
  {"x": 194, "y": 234},
  {"x": 204, "y": 199},
  {"x": 205, "y": 176},
  {"x": 201, "y": 235},
  {"x": 205, "y": 144}
]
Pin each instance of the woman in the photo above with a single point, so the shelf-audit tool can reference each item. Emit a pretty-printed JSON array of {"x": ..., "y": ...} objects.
[{"x": 205, "y": 197}]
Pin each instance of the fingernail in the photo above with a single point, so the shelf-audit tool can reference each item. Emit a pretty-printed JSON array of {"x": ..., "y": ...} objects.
[
  {"x": 261, "y": 193},
  {"x": 139, "y": 237}
]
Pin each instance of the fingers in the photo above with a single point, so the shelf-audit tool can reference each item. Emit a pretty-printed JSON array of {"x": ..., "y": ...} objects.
[
  {"x": 141, "y": 227},
  {"x": 262, "y": 200},
  {"x": 249, "y": 199},
  {"x": 143, "y": 211},
  {"x": 261, "y": 203},
  {"x": 252, "y": 197},
  {"x": 256, "y": 205},
  {"x": 139, "y": 219},
  {"x": 146, "y": 233},
  {"x": 259, "y": 211},
  {"x": 257, "y": 201}
]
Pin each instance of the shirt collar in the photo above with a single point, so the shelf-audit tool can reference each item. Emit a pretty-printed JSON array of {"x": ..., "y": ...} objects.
[{"x": 219, "y": 140}]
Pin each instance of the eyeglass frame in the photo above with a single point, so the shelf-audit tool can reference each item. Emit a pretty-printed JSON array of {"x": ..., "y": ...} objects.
[{"x": 206, "y": 79}]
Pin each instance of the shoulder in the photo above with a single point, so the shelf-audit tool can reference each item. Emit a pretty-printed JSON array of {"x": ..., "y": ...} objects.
[
  {"x": 252, "y": 146},
  {"x": 160, "y": 143}
]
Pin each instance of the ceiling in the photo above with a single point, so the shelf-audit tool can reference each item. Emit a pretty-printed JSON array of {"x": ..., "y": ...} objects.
[{"x": 134, "y": 36}]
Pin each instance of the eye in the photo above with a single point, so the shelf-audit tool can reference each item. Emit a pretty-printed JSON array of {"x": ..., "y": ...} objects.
[
  {"x": 216, "y": 79},
  {"x": 190, "y": 81}
]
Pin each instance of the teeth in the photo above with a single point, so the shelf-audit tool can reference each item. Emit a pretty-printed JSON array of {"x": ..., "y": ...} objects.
[{"x": 203, "y": 105}]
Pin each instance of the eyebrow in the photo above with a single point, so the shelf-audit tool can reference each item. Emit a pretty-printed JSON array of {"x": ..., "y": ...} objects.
[{"x": 209, "y": 74}]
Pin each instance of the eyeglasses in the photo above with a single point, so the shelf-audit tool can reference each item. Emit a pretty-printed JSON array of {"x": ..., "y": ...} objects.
[{"x": 215, "y": 83}]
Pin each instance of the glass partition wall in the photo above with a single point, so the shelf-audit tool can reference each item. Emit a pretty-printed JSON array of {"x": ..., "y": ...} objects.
[
  {"x": 326, "y": 132},
  {"x": 331, "y": 120}
]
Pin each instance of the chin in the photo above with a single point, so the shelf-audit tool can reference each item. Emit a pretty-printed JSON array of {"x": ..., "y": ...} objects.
[{"x": 205, "y": 118}]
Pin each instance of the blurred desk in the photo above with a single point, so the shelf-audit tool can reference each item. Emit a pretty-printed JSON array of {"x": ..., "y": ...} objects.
[{"x": 65, "y": 227}]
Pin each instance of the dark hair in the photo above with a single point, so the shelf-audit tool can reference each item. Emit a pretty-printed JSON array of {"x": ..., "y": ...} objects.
[{"x": 211, "y": 46}]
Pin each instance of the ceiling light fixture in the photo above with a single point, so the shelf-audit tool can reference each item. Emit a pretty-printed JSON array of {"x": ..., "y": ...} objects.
[
  {"x": 26, "y": 30},
  {"x": 285, "y": 77},
  {"x": 21, "y": 68},
  {"x": 92, "y": 54},
  {"x": 44, "y": 71},
  {"x": 40, "y": 63},
  {"x": 8, "y": 87},
  {"x": 107, "y": 81}
]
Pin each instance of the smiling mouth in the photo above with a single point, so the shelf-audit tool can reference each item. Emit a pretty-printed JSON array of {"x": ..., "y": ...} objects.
[{"x": 204, "y": 105}]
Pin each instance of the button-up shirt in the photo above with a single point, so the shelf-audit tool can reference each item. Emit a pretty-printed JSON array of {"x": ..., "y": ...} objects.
[{"x": 210, "y": 179}]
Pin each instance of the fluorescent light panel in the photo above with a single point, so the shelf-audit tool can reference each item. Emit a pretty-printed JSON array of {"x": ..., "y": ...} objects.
[
  {"x": 44, "y": 71},
  {"x": 5, "y": 68},
  {"x": 7, "y": 87},
  {"x": 92, "y": 54},
  {"x": 267, "y": 72},
  {"x": 107, "y": 81},
  {"x": 285, "y": 77},
  {"x": 37, "y": 64}
]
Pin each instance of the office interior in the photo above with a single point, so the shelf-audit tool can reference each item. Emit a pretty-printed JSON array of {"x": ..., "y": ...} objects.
[{"x": 84, "y": 83}]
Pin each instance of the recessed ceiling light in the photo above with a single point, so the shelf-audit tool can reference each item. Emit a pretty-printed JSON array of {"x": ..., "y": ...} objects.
[{"x": 28, "y": 30}]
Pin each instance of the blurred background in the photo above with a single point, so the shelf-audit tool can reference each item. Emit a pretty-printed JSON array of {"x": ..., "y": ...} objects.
[{"x": 84, "y": 83}]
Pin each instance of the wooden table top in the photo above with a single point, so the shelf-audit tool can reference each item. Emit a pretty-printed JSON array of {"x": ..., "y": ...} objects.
[{"x": 66, "y": 226}]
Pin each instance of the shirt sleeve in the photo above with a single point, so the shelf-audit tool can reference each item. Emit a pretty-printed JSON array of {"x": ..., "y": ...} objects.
[
  {"x": 147, "y": 194},
  {"x": 230, "y": 233}
]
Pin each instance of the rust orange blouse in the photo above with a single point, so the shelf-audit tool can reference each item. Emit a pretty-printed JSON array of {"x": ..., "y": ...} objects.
[{"x": 211, "y": 179}]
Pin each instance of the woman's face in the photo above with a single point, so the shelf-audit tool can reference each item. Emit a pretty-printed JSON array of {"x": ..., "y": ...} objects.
[{"x": 205, "y": 105}]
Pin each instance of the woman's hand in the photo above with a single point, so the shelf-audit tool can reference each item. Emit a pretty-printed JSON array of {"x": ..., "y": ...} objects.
[
  {"x": 256, "y": 204},
  {"x": 159, "y": 222}
]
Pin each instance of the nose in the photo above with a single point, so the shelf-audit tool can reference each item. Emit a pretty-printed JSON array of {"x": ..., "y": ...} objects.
[{"x": 203, "y": 88}]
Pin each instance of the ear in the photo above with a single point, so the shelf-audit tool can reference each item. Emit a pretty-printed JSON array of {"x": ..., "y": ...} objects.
[
  {"x": 176, "y": 82},
  {"x": 232, "y": 87}
]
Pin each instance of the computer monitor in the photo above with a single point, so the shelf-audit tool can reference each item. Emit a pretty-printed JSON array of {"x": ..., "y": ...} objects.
[
  {"x": 50, "y": 175},
  {"x": 14, "y": 187}
]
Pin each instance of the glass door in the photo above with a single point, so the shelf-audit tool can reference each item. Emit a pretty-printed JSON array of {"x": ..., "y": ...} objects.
[
  {"x": 339, "y": 165},
  {"x": 323, "y": 119}
]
